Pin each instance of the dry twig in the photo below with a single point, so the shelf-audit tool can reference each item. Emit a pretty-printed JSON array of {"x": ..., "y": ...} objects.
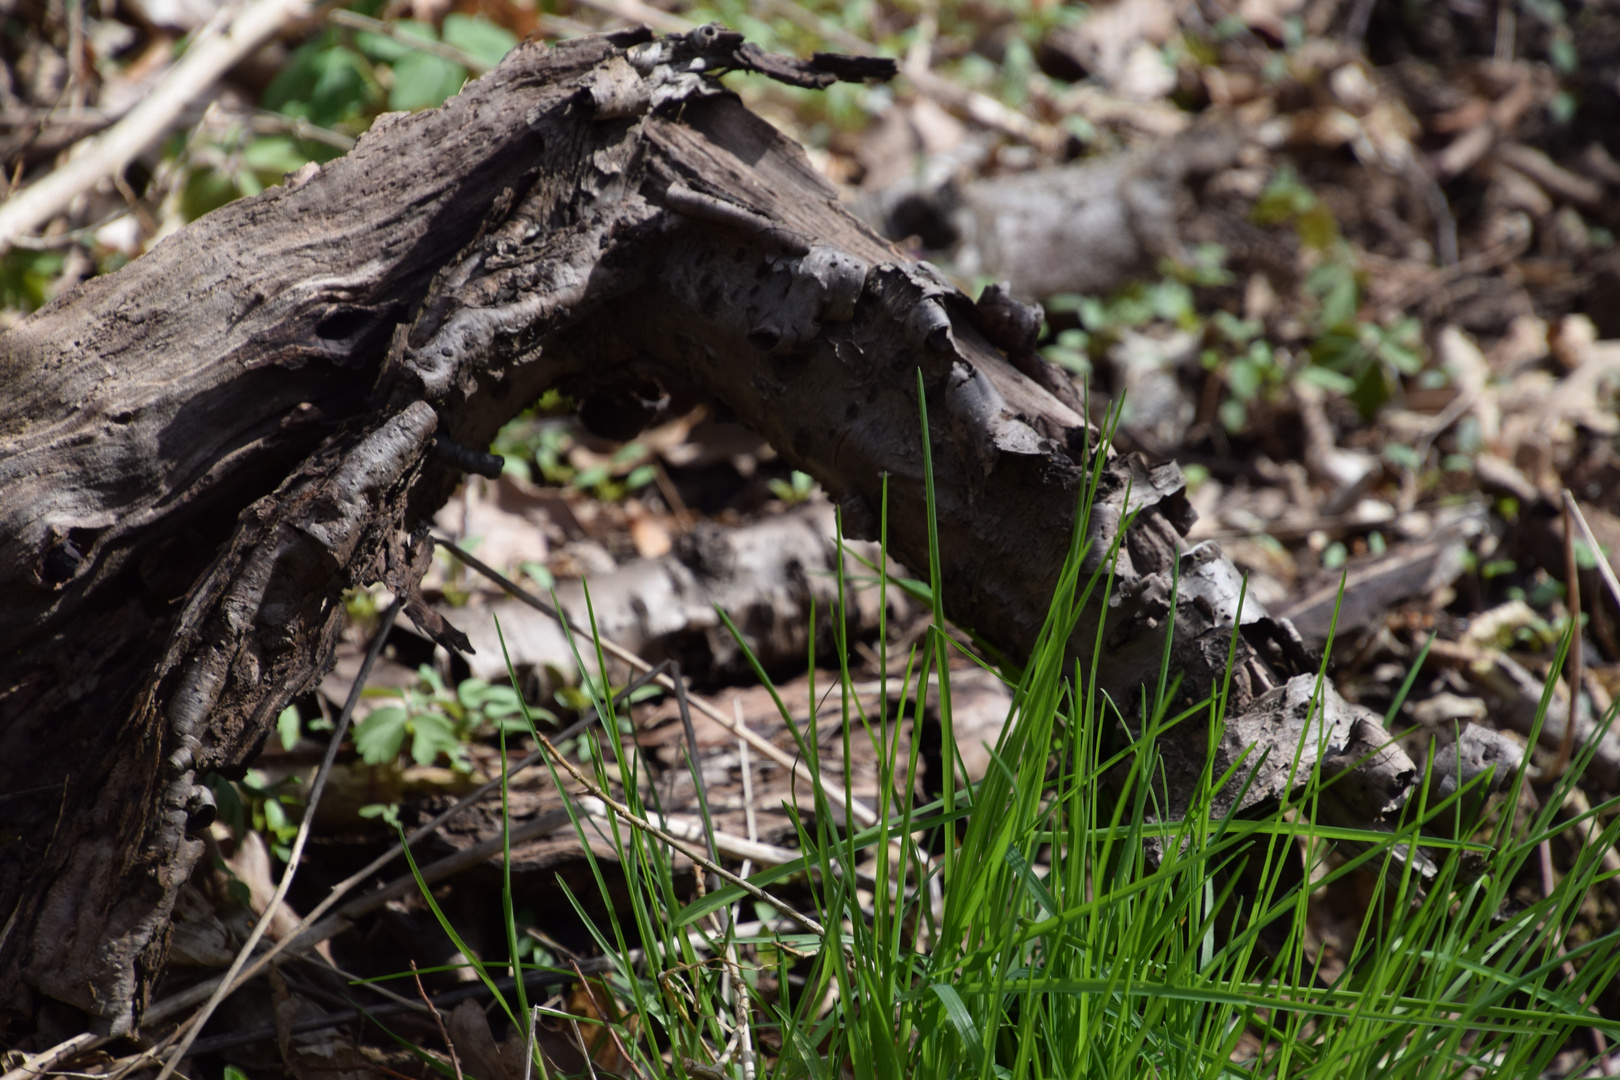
[
  {"x": 455, "y": 1061},
  {"x": 219, "y": 46},
  {"x": 675, "y": 844},
  {"x": 835, "y": 792},
  {"x": 39, "y": 1064}
]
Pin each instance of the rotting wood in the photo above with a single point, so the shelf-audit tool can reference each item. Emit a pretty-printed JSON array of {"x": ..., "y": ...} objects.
[{"x": 204, "y": 449}]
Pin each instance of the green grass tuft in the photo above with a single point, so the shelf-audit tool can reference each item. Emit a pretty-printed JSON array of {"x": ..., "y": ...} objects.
[{"x": 1049, "y": 921}]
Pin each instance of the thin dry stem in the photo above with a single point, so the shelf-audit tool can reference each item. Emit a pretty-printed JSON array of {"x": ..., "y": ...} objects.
[
  {"x": 1573, "y": 670},
  {"x": 455, "y": 1060},
  {"x": 603, "y": 1007},
  {"x": 37, "y": 1065},
  {"x": 835, "y": 793},
  {"x": 1604, "y": 568},
  {"x": 646, "y": 826}
]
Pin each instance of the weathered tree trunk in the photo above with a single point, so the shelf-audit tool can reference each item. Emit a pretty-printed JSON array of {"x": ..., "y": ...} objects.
[{"x": 199, "y": 452}]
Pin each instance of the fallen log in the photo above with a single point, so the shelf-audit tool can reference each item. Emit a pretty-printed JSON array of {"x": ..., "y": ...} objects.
[{"x": 199, "y": 452}]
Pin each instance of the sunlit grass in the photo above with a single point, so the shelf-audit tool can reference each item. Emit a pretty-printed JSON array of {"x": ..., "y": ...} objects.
[{"x": 1049, "y": 921}]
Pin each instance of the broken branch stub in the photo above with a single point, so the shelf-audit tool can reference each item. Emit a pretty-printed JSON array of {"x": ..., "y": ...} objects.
[{"x": 205, "y": 448}]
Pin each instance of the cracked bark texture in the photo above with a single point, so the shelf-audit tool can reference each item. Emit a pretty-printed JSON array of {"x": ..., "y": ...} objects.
[{"x": 200, "y": 452}]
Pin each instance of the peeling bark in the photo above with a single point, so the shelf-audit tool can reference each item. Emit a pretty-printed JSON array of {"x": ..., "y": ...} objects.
[{"x": 204, "y": 449}]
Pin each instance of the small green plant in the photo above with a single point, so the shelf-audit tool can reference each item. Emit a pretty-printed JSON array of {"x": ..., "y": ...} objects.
[
  {"x": 256, "y": 802},
  {"x": 1347, "y": 354},
  {"x": 327, "y": 93},
  {"x": 342, "y": 78},
  {"x": 437, "y": 720},
  {"x": 798, "y": 488},
  {"x": 221, "y": 167},
  {"x": 1135, "y": 306},
  {"x": 26, "y": 277},
  {"x": 578, "y": 698},
  {"x": 536, "y": 446},
  {"x": 288, "y": 727},
  {"x": 1248, "y": 362}
]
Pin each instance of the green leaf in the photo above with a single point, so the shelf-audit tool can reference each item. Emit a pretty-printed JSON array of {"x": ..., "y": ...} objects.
[
  {"x": 1236, "y": 330},
  {"x": 473, "y": 692},
  {"x": 274, "y": 156},
  {"x": 433, "y": 734},
  {"x": 1244, "y": 379},
  {"x": 1339, "y": 351},
  {"x": 539, "y": 573},
  {"x": 1317, "y": 227},
  {"x": 1050, "y": 908},
  {"x": 1233, "y": 415},
  {"x": 480, "y": 38},
  {"x": 431, "y": 678},
  {"x": 275, "y": 818},
  {"x": 1327, "y": 379},
  {"x": 1562, "y": 107},
  {"x": 287, "y": 727},
  {"x": 1209, "y": 265},
  {"x": 1081, "y": 128},
  {"x": 1401, "y": 455},
  {"x": 1172, "y": 301},
  {"x": 1093, "y": 315},
  {"x": 324, "y": 83},
  {"x": 1283, "y": 200},
  {"x": 497, "y": 701},
  {"x": 1064, "y": 304},
  {"x": 228, "y": 802},
  {"x": 205, "y": 191},
  {"x": 26, "y": 275},
  {"x": 1403, "y": 359},
  {"x": 502, "y": 697},
  {"x": 1561, "y": 51},
  {"x": 380, "y": 735},
  {"x": 388, "y": 812},
  {"x": 1372, "y": 389},
  {"x": 1335, "y": 284},
  {"x": 962, "y": 1021},
  {"x": 1069, "y": 360},
  {"x": 391, "y": 49},
  {"x": 423, "y": 81}
]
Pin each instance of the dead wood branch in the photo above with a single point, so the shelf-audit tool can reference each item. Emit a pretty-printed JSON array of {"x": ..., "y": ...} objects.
[{"x": 204, "y": 449}]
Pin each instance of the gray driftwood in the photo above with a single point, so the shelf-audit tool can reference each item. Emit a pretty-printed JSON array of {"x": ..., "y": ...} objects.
[{"x": 199, "y": 452}]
